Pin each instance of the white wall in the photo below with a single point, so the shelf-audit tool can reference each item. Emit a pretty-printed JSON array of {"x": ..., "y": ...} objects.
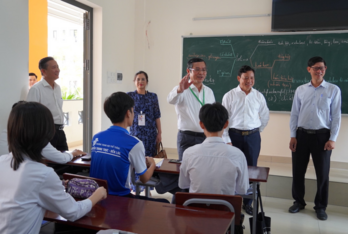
[
  {"x": 14, "y": 49},
  {"x": 162, "y": 56},
  {"x": 113, "y": 52}
]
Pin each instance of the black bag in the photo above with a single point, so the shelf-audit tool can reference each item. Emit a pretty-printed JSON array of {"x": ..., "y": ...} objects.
[{"x": 263, "y": 223}]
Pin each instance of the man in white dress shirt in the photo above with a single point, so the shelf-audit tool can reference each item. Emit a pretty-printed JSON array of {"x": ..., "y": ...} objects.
[
  {"x": 248, "y": 116},
  {"x": 213, "y": 166},
  {"x": 48, "y": 93},
  {"x": 188, "y": 97}
]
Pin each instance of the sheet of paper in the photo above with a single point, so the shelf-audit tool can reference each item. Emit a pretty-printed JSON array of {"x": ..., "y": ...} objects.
[{"x": 158, "y": 162}]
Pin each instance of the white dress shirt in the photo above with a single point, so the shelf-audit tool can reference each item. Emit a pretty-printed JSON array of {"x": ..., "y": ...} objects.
[
  {"x": 49, "y": 152},
  {"x": 316, "y": 108},
  {"x": 43, "y": 93},
  {"x": 214, "y": 167},
  {"x": 187, "y": 106},
  {"x": 245, "y": 112},
  {"x": 28, "y": 192}
]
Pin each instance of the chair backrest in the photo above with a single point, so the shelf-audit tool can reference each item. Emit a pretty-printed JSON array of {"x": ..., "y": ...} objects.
[
  {"x": 100, "y": 182},
  {"x": 234, "y": 200}
]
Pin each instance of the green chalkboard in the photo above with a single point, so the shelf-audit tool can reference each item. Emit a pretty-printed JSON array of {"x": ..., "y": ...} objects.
[{"x": 279, "y": 60}]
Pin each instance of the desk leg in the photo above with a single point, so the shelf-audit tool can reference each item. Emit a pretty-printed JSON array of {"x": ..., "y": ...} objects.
[
  {"x": 255, "y": 205},
  {"x": 137, "y": 189}
]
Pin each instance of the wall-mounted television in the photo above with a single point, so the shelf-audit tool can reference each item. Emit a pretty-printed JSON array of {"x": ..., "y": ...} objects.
[{"x": 309, "y": 15}]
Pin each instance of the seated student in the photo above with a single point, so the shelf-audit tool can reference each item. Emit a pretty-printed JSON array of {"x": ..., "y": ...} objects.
[
  {"x": 28, "y": 187},
  {"x": 213, "y": 166},
  {"x": 49, "y": 152},
  {"x": 115, "y": 153}
]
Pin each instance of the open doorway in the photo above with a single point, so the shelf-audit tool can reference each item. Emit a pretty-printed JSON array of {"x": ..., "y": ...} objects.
[{"x": 69, "y": 42}]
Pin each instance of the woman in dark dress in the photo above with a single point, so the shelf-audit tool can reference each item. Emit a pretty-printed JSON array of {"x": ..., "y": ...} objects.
[{"x": 146, "y": 124}]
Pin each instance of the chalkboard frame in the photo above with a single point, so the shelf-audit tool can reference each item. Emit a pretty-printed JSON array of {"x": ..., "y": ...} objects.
[{"x": 338, "y": 32}]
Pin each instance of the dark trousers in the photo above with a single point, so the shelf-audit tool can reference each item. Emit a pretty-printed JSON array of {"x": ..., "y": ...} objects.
[
  {"x": 311, "y": 144},
  {"x": 59, "y": 140},
  {"x": 187, "y": 139},
  {"x": 250, "y": 145}
]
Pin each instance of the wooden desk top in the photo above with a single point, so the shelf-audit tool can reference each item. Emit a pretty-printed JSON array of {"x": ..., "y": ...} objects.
[
  {"x": 167, "y": 167},
  {"x": 75, "y": 162},
  {"x": 256, "y": 174},
  {"x": 145, "y": 217}
]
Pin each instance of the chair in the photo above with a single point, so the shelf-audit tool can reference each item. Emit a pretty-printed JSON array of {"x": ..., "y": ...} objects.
[
  {"x": 231, "y": 203},
  {"x": 151, "y": 183},
  {"x": 100, "y": 182}
]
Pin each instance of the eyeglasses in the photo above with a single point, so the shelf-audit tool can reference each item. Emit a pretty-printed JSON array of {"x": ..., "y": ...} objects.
[
  {"x": 199, "y": 70},
  {"x": 319, "y": 68}
]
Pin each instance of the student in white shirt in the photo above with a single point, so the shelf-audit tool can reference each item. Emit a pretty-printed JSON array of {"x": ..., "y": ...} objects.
[
  {"x": 248, "y": 116},
  {"x": 213, "y": 166},
  {"x": 49, "y": 152},
  {"x": 188, "y": 97},
  {"x": 28, "y": 187}
]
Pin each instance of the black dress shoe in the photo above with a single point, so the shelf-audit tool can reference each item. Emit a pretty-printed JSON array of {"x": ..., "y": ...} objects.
[
  {"x": 321, "y": 214},
  {"x": 248, "y": 209},
  {"x": 296, "y": 207}
]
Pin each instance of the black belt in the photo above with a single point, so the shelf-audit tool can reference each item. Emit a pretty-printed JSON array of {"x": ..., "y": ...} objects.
[
  {"x": 59, "y": 126},
  {"x": 312, "y": 131},
  {"x": 200, "y": 134},
  {"x": 244, "y": 132}
]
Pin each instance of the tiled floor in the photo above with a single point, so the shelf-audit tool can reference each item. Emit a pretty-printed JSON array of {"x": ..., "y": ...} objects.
[{"x": 304, "y": 222}]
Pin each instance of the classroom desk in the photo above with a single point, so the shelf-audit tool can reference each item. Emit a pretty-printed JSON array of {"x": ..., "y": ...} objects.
[
  {"x": 75, "y": 162},
  {"x": 145, "y": 217},
  {"x": 256, "y": 175}
]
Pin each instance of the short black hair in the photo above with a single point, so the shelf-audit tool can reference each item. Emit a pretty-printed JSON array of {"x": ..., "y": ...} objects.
[
  {"x": 315, "y": 60},
  {"x": 17, "y": 103},
  {"x": 33, "y": 74},
  {"x": 213, "y": 116},
  {"x": 194, "y": 60},
  {"x": 245, "y": 69},
  {"x": 117, "y": 105},
  {"x": 43, "y": 63},
  {"x": 30, "y": 128},
  {"x": 141, "y": 72}
]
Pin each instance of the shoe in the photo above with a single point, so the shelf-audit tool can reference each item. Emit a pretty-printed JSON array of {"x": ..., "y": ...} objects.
[
  {"x": 296, "y": 207},
  {"x": 248, "y": 209},
  {"x": 321, "y": 214}
]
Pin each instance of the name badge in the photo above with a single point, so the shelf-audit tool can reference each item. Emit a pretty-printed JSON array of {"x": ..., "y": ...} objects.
[{"x": 141, "y": 120}]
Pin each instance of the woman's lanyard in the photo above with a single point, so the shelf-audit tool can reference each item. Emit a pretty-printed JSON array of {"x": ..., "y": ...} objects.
[{"x": 198, "y": 98}]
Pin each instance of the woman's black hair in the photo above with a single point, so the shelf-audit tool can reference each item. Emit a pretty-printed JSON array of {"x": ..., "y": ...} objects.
[{"x": 30, "y": 128}]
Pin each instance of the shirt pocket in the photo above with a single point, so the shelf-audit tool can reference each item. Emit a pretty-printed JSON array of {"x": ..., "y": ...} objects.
[{"x": 324, "y": 102}]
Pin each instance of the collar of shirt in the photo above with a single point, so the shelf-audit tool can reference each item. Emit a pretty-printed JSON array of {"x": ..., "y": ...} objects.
[
  {"x": 240, "y": 90},
  {"x": 117, "y": 128},
  {"x": 193, "y": 87},
  {"x": 45, "y": 83},
  {"x": 323, "y": 84},
  {"x": 213, "y": 140}
]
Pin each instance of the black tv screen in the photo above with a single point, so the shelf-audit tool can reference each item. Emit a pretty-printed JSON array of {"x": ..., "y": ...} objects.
[{"x": 307, "y": 15}]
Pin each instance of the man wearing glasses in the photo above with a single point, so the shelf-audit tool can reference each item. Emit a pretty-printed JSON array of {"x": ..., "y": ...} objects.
[
  {"x": 188, "y": 97},
  {"x": 314, "y": 125},
  {"x": 248, "y": 116}
]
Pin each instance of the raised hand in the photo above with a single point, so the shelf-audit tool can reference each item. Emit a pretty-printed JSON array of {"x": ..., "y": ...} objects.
[{"x": 184, "y": 84}]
